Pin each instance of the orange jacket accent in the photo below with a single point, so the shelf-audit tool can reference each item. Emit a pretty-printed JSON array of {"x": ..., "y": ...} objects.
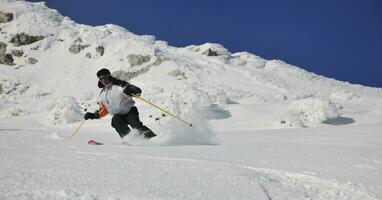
[{"x": 103, "y": 110}]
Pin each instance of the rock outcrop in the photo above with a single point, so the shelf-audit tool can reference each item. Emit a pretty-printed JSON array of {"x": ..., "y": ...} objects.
[
  {"x": 100, "y": 50},
  {"x": 3, "y": 48},
  {"x": 77, "y": 48},
  {"x": 5, "y": 17},
  {"x": 136, "y": 60},
  {"x": 32, "y": 61},
  {"x": 25, "y": 39},
  {"x": 17, "y": 53},
  {"x": 5, "y": 58}
]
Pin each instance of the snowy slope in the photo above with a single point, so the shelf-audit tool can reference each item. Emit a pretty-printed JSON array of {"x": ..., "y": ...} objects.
[
  {"x": 313, "y": 163},
  {"x": 180, "y": 79},
  {"x": 229, "y": 97}
]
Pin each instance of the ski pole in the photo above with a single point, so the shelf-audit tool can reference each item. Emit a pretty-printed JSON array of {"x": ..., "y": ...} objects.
[
  {"x": 163, "y": 110},
  {"x": 76, "y": 131}
]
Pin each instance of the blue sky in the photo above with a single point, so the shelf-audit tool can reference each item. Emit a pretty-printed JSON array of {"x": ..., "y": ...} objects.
[{"x": 341, "y": 39}]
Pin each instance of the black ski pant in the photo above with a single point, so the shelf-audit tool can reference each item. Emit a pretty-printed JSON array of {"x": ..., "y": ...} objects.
[{"x": 121, "y": 124}]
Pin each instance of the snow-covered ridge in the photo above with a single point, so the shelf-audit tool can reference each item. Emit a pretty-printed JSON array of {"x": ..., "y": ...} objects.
[{"x": 55, "y": 76}]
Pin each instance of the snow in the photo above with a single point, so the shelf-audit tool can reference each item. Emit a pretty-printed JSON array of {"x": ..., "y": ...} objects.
[
  {"x": 313, "y": 163},
  {"x": 262, "y": 129}
]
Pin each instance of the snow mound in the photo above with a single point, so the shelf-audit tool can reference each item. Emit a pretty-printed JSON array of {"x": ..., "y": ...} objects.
[
  {"x": 65, "y": 110},
  {"x": 210, "y": 49},
  {"x": 312, "y": 111},
  {"x": 248, "y": 60},
  {"x": 209, "y": 103}
]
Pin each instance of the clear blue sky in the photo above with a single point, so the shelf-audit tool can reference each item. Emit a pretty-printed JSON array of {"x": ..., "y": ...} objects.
[{"x": 341, "y": 39}]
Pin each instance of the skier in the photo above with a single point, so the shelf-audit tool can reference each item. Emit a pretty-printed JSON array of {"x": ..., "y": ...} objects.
[{"x": 116, "y": 99}]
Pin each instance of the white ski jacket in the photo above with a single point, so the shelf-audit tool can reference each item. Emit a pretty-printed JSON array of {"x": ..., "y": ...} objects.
[{"x": 114, "y": 100}]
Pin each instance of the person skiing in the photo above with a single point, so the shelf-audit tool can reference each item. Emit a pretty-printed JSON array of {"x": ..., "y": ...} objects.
[{"x": 116, "y": 99}]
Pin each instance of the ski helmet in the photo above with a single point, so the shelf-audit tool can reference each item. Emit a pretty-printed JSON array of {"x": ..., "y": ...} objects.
[{"x": 103, "y": 73}]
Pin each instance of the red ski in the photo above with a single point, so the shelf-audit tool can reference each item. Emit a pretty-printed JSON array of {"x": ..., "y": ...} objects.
[{"x": 93, "y": 142}]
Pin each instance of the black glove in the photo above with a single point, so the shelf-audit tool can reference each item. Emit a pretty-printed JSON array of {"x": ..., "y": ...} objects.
[
  {"x": 132, "y": 90},
  {"x": 90, "y": 115}
]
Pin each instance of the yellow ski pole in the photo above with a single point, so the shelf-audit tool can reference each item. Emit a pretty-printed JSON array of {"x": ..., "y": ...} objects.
[
  {"x": 163, "y": 110},
  {"x": 76, "y": 131}
]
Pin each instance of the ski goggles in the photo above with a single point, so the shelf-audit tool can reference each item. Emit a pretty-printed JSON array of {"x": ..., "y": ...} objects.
[{"x": 103, "y": 77}]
